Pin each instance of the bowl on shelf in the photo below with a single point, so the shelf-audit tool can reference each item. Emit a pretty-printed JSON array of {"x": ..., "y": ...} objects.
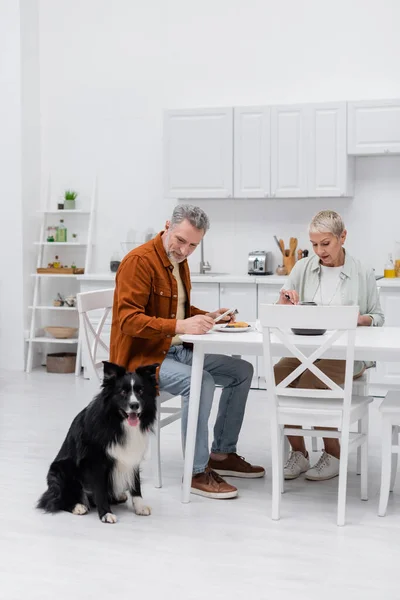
[
  {"x": 61, "y": 332},
  {"x": 308, "y": 331}
]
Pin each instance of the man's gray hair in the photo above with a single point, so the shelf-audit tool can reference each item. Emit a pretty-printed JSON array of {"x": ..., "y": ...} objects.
[
  {"x": 327, "y": 221},
  {"x": 195, "y": 215}
]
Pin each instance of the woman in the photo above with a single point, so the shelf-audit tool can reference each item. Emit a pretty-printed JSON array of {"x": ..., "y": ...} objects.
[{"x": 330, "y": 277}]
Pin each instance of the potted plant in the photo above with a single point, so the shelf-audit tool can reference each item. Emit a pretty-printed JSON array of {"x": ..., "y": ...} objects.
[{"x": 69, "y": 199}]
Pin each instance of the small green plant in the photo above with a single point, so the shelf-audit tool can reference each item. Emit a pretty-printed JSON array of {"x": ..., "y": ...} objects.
[{"x": 70, "y": 195}]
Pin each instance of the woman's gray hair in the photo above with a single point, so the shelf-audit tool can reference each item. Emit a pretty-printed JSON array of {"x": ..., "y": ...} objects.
[
  {"x": 327, "y": 221},
  {"x": 195, "y": 215}
]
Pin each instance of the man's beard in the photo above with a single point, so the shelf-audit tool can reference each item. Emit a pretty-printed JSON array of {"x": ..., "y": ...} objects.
[{"x": 174, "y": 258}]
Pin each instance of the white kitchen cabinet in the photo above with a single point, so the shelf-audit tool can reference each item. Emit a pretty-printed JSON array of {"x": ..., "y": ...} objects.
[
  {"x": 289, "y": 151},
  {"x": 205, "y": 296},
  {"x": 374, "y": 127},
  {"x": 388, "y": 373},
  {"x": 243, "y": 297},
  {"x": 267, "y": 294},
  {"x": 330, "y": 171},
  {"x": 252, "y": 145},
  {"x": 198, "y": 151}
]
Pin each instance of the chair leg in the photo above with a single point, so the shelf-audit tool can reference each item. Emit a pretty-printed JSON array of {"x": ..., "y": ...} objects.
[
  {"x": 277, "y": 472},
  {"x": 395, "y": 442},
  {"x": 386, "y": 466},
  {"x": 157, "y": 452},
  {"x": 314, "y": 443},
  {"x": 359, "y": 429},
  {"x": 363, "y": 426},
  {"x": 344, "y": 459},
  {"x": 284, "y": 443}
]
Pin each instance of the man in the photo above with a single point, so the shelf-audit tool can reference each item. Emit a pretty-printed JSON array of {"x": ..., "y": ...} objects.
[{"x": 151, "y": 310}]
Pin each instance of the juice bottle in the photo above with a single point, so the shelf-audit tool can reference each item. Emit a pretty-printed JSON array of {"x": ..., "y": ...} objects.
[{"x": 389, "y": 270}]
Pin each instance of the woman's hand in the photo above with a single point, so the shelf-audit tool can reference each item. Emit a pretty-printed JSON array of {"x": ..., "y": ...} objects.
[
  {"x": 364, "y": 321},
  {"x": 288, "y": 297}
]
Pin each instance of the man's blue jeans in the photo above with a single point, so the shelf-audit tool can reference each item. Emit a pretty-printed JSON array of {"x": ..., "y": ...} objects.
[{"x": 233, "y": 374}]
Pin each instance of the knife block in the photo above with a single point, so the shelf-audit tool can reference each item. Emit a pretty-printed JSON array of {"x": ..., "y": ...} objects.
[{"x": 289, "y": 262}]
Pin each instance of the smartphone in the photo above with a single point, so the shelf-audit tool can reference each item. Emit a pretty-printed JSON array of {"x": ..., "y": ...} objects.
[{"x": 227, "y": 312}]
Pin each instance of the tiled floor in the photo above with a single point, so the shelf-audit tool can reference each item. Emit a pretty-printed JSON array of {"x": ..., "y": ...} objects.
[{"x": 206, "y": 549}]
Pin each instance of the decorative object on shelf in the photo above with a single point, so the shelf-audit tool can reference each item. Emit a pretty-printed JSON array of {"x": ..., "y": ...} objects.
[
  {"x": 60, "y": 205},
  {"x": 74, "y": 237},
  {"x": 69, "y": 199},
  {"x": 51, "y": 233},
  {"x": 61, "y": 362},
  {"x": 70, "y": 301},
  {"x": 61, "y": 332},
  {"x": 61, "y": 235},
  {"x": 56, "y": 264},
  {"x": 59, "y": 301}
]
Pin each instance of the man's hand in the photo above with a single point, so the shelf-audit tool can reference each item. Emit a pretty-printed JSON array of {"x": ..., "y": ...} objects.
[
  {"x": 288, "y": 297},
  {"x": 195, "y": 325},
  {"x": 227, "y": 319},
  {"x": 364, "y": 321}
]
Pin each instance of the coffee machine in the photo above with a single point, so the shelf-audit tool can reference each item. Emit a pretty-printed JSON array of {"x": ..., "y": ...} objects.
[{"x": 259, "y": 263}]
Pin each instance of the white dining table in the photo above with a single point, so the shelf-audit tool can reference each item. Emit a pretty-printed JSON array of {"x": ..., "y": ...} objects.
[{"x": 372, "y": 344}]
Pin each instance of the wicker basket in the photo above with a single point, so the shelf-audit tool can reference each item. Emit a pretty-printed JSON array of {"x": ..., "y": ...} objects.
[{"x": 61, "y": 362}]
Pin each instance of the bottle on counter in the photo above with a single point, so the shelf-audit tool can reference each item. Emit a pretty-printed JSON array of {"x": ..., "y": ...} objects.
[
  {"x": 61, "y": 235},
  {"x": 389, "y": 270}
]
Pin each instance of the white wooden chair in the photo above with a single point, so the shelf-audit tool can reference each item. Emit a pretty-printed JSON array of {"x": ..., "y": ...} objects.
[
  {"x": 390, "y": 409},
  {"x": 94, "y": 309},
  {"x": 331, "y": 407}
]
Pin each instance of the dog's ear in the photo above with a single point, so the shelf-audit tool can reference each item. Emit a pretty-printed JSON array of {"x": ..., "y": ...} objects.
[
  {"x": 149, "y": 373},
  {"x": 112, "y": 371}
]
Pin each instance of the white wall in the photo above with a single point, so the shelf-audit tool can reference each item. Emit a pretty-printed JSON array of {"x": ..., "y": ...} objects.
[
  {"x": 11, "y": 248},
  {"x": 108, "y": 70}
]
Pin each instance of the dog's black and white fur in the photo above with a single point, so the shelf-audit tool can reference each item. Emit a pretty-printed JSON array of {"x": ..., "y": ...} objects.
[{"x": 100, "y": 457}]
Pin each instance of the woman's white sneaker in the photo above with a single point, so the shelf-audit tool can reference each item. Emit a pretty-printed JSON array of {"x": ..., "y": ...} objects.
[
  {"x": 326, "y": 468},
  {"x": 296, "y": 464}
]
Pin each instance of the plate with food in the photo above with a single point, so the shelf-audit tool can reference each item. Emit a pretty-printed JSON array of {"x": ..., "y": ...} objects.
[{"x": 238, "y": 326}]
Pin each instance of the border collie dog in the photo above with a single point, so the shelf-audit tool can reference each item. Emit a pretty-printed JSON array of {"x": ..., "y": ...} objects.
[{"x": 100, "y": 458}]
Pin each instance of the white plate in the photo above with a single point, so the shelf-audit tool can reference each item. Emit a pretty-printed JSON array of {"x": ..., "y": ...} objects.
[{"x": 232, "y": 329}]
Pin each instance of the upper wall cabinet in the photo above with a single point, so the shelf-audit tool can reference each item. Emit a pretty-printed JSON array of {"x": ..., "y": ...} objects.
[
  {"x": 374, "y": 127},
  {"x": 289, "y": 151},
  {"x": 198, "y": 153},
  {"x": 252, "y": 144},
  {"x": 330, "y": 170},
  {"x": 308, "y": 151}
]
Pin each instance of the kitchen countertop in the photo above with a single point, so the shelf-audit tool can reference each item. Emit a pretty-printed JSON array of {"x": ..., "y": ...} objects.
[
  {"x": 229, "y": 278},
  {"x": 221, "y": 278}
]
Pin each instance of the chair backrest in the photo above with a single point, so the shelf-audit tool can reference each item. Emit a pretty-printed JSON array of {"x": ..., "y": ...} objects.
[
  {"x": 100, "y": 301},
  {"x": 277, "y": 321}
]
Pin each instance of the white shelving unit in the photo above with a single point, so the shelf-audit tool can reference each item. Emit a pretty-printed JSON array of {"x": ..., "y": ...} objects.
[{"x": 39, "y": 305}]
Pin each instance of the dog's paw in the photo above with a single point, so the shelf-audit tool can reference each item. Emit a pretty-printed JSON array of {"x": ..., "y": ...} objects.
[
  {"x": 109, "y": 518},
  {"x": 80, "y": 509},
  {"x": 140, "y": 508},
  {"x": 122, "y": 498}
]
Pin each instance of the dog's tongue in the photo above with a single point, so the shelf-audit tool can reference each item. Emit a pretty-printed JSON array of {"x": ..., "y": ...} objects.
[{"x": 133, "y": 420}]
